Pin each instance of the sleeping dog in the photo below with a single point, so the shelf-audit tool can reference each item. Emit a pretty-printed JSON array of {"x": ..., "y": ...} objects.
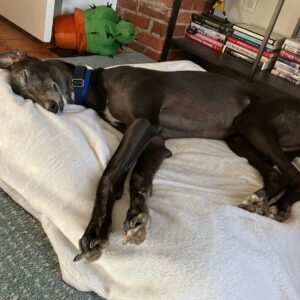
[{"x": 150, "y": 106}]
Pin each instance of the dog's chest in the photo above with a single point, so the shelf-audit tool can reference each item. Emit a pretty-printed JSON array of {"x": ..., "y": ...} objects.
[{"x": 109, "y": 117}]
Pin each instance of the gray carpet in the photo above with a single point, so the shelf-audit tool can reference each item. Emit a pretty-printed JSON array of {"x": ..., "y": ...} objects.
[
  {"x": 95, "y": 61},
  {"x": 29, "y": 268}
]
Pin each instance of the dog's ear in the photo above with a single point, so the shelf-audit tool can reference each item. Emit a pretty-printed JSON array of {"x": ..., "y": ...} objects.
[{"x": 11, "y": 57}]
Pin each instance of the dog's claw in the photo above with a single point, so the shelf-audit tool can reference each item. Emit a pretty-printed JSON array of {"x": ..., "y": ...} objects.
[
  {"x": 91, "y": 253},
  {"x": 90, "y": 246},
  {"x": 78, "y": 257},
  {"x": 135, "y": 229},
  {"x": 98, "y": 242}
]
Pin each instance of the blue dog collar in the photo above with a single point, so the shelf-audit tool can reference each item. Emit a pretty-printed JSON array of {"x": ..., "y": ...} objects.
[{"x": 80, "y": 84}]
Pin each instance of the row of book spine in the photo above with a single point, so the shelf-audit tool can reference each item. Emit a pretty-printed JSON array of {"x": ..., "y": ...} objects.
[
  {"x": 209, "y": 30},
  {"x": 287, "y": 65},
  {"x": 245, "y": 41},
  {"x": 235, "y": 40}
]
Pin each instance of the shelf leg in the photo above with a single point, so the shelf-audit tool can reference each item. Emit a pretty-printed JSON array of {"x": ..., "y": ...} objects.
[
  {"x": 266, "y": 37},
  {"x": 170, "y": 30}
]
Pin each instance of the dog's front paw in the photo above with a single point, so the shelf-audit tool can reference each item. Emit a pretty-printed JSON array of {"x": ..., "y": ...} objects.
[
  {"x": 91, "y": 245},
  {"x": 135, "y": 228}
]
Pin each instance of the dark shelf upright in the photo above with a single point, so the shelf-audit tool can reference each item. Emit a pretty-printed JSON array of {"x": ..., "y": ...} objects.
[
  {"x": 266, "y": 37},
  {"x": 170, "y": 30}
]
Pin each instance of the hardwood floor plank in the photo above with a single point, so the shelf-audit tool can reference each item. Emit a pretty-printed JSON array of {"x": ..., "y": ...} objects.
[
  {"x": 13, "y": 37},
  {"x": 42, "y": 54},
  {"x": 11, "y": 34}
]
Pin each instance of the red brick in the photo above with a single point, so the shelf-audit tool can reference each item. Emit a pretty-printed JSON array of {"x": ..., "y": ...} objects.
[
  {"x": 184, "y": 17},
  {"x": 187, "y": 4},
  {"x": 159, "y": 28},
  {"x": 138, "y": 20},
  {"x": 119, "y": 10},
  {"x": 167, "y": 3},
  {"x": 137, "y": 46},
  {"x": 151, "y": 41},
  {"x": 201, "y": 6},
  {"x": 129, "y": 4},
  {"x": 179, "y": 30},
  {"x": 149, "y": 10},
  {"x": 152, "y": 53}
]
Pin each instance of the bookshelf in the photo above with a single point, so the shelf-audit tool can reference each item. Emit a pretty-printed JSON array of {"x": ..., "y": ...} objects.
[{"x": 222, "y": 60}]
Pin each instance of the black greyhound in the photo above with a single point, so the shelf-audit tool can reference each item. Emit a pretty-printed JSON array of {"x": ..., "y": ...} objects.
[{"x": 150, "y": 106}]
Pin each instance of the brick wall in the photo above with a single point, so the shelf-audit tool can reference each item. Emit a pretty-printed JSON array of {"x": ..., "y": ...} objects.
[{"x": 151, "y": 18}]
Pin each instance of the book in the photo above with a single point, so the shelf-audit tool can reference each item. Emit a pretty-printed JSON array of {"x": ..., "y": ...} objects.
[
  {"x": 291, "y": 49},
  {"x": 290, "y": 56},
  {"x": 220, "y": 30},
  {"x": 212, "y": 21},
  {"x": 217, "y": 19},
  {"x": 266, "y": 53},
  {"x": 209, "y": 32},
  {"x": 263, "y": 66},
  {"x": 288, "y": 62},
  {"x": 259, "y": 33},
  {"x": 295, "y": 43},
  {"x": 250, "y": 39},
  {"x": 198, "y": 38},
  {"x": 247, "y": 52},
  {"x": 296, "y": 77},
  {"x": 285, "y": 75},
  {"x": 288, "y": 68},
  {"x": 238, "y": 55},
  {"x": 205, "y": 37}
]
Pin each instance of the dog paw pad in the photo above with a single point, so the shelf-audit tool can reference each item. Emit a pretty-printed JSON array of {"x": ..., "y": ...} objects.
[
  {"x": 135, "y": 229},
  {"x": 277, "y": 214},
  {"x": 255, "y": 203}
]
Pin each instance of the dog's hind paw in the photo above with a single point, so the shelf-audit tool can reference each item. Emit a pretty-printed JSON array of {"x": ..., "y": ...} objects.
[
  {"x": 135, "y": 229},
  {"x": 279, "y": 214},
  {"x": 256, "y": 203}
]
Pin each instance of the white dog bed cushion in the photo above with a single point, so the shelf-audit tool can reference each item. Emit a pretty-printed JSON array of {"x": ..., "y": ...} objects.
[{"x": 200, "y": 245}]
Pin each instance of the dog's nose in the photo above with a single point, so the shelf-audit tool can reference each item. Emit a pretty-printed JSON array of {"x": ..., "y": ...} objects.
[{"x": 52, "y": 106}]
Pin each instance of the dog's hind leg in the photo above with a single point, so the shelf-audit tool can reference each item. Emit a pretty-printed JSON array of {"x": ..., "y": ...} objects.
[
  {"x": 282, "y": 208},
  {"x": 273, "y": 180},
  {"x": 141, "y": 187},
  {"x": 263, "y": 138},
  {"x": 95, "y": 238}
]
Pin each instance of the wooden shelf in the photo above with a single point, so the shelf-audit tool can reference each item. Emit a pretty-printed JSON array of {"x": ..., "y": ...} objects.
[{"x": 223, "y": 60}]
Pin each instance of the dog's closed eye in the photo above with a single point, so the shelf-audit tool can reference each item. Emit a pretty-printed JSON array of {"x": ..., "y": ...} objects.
[
  {"x": 24, "y": 76},
  {"x": 55, "y": 87}
]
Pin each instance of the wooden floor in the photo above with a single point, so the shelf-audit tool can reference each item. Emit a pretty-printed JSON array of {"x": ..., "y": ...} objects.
[{"x": 12, "y": 37}]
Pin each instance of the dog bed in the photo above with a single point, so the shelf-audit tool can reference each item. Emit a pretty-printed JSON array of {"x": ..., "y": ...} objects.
[{"x": 200, "y": 245}]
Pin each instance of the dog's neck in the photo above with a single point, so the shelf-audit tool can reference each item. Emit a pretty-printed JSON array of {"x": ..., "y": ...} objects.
[{"x": 96, "y": 97}]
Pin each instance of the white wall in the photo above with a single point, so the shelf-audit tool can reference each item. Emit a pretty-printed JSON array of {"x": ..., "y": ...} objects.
[
  {"x": 34, "y": 16},
  {"x": 67, "y": 6},
  {"x": 286, "y": 22}
]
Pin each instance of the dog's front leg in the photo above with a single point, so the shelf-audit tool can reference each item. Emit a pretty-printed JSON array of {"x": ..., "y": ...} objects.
[
  {"x": 141, "y": 179},
  {"x": 95, "y": 238}
]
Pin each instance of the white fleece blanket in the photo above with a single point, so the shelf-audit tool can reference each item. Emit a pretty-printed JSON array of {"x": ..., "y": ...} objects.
[{"x": 200, "y": 245}]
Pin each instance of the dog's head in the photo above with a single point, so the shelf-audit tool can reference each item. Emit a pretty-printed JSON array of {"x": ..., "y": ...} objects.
[{"x": 47, "y": 83}]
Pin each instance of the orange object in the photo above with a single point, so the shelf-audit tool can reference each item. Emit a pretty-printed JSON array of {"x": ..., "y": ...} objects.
[{"x": 69, "y": 31}]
